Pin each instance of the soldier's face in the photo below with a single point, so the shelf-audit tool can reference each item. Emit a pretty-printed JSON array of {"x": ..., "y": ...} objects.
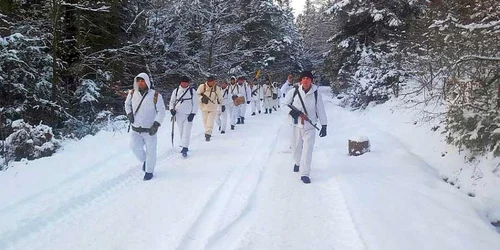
[
  {"x": 290, "y": 78},
  {"x": 223, "y": 85},
  {"x": 141, "y": 83},
  {"x": 233, "y": 81},
  {"x": 184, "y": 84},
  {"x": 306, "y": 82},
  {"x": 211, "y": 83}
]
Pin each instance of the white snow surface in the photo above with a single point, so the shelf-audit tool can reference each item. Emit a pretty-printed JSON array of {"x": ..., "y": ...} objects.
[{"x": 238, "y": 191}]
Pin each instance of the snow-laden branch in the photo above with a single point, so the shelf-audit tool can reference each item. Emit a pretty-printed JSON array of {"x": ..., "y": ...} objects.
[
  {"x": 133, "y": 22},
  {"x": 80, "y": 7},
  {"x": 474, "y": 26},
  {"x": 475, "y": 57}
]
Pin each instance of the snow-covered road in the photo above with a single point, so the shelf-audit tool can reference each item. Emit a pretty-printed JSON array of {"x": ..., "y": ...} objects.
[{"x": 238, "y": 191}]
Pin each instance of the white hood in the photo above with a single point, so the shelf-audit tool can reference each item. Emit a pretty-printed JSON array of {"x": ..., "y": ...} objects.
[{"x": 145, "y": 77}]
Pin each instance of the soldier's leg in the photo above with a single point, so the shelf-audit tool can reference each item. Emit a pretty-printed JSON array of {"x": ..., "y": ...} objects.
[
  {"x": 186, "y": 137},
  {"x": 309, "y": 138},
  {"x": 297, "y": 152},
  {"x": 137, "y": 146},
  {"x": 210, "y": 122},
  {"x": 151, "y": 143},
  {"x": 223, "y": 118}
]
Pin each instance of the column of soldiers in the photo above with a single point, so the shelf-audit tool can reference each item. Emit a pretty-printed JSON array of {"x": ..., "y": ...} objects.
[{"x": 218, "y": 104}]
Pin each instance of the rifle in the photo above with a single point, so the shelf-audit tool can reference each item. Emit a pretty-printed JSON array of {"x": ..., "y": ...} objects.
[
  {"x": 255, "y": 91},
  {"x": 203, "y": 95},
  {"x": 301, "y": 114},
  {"x": 173, "y": 127}
]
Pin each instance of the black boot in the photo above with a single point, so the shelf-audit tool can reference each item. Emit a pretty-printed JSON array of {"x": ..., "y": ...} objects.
[
  {"x": 238, "y": 121},
  {"x": 219, "y": 128},
  {"x": 295, "y": 168},
  {"x": 242, "y": 120},
  {"x": 184, "y": 151},
  {"x": 148, "y": 176},
  {"x": 222, "y": 132},
  {"x": 232, "y": 127},
  {"x": 144, "y": 167},
  {"x": 266, "y": 112},
  {"x": 253, "y": 113},
  {"x": 275, "y": 109},
  {"x": 259, "y": 111},
  {"x": 270, "y": 111},
  {"x": 207, "y": 137},
  {"x": 305, "y": 179}
]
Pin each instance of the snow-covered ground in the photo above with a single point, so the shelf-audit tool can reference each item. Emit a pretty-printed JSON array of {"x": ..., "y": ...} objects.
[{"x": 238, "y": 191}]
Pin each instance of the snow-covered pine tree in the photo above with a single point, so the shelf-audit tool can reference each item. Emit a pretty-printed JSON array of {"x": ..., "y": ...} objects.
[
  {"x": 290, "y": 56},
  {"x": 461, "y": 70},
  {"x": 260, "y": 41},
  {"x": 366, "y": 42}
]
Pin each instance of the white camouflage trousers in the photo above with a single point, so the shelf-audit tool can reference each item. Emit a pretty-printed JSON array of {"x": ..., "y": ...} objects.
[
  {"x": 144, "y": 147},
  {"x": 221, "y": 119},
  {"x": 208, "y": 121},
  {"x": 268, "y": 102},
  {"x": 255, "y": 105},
  {"x": 184, "y": 129},
  {"x": 304, "y": 144}
]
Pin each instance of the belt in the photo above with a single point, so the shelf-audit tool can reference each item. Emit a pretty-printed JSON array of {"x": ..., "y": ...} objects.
[{"x": 140, "y": 129}]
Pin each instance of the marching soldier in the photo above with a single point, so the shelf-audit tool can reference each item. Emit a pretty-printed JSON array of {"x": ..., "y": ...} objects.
[
  {"x": 210, "y": 97},
  {"x": 307, "y": 107},
  {"x": 276, "y": 96},
  {"x": 256, "y": 96},
  {"x": 146, "y": 111},
  {"x": 268, "y": 96},
  {"x": 233, "y": 109},
  {"x": 245, "y": 92},
  {"x": 288, "y": 84},
  {"x": 183, "y": 107},
  {"x": 221, "y": 119}
]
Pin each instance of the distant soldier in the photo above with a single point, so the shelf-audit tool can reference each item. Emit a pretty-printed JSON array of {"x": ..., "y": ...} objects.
[
  {"x": 146, "y": 111},
  {"x": 183, "y": 107},
  {"x": 222, "y": 113},
  {"x": 288, "y": 84},
  {"x": 256, "y": 96},
  {"x": 307, "y": 107},
  {"x": 268, "y": 96},
  {"x": 245, "y": 92},
  {"x": 276, "y": 96},
  {"x": 210, "y": 97},
  {"x": 233, "y": 109}
]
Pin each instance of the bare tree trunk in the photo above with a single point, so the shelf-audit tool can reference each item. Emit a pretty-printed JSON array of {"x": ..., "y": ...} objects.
[{"x": 55, "y": 47}]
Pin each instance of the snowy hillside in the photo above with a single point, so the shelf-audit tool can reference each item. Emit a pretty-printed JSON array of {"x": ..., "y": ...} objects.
[{"x": 238, "y": 191}]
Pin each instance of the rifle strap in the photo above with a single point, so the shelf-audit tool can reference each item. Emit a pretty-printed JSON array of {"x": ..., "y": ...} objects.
[
  {"x": 301, "y": 101},
  {"x": 140, "y": 103},
  {"x": 180, "y": 98},
  {"x": 155, "y": 99}
]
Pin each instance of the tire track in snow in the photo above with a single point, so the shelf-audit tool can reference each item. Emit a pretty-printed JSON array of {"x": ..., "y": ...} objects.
[
  {"x": 346, "y": 232},
  {"x": 239, "y": 221},
  {"x": 75, "y": 204},
  {"x": 202, "y": 230}
]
